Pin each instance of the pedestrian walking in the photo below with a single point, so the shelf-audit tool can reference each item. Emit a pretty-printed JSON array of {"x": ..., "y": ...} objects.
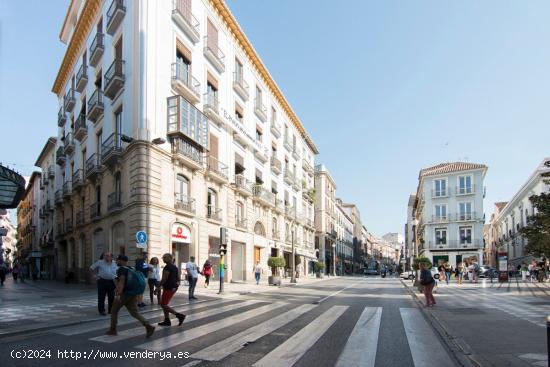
[
  {"x": 153, "y": 279},
  {"x": 524, "y": 272},
  {"x": 15, "y": 272},
  {"x": 447, "y": 268},
  {"x": 531, "y": 269},
  {"x": 192, "y": 276},
  {"x": 258, "y": 272},
  {"x": 105, "y": 271},
  {"x": 460, "y": 272},
  {"x": 207, "y": 273},
  {"x": 169, "y": 283},
  {"x": 129, "y": 285},
  {"x": 427, "y": 281},
  {"x": 3, "y": 272},
  {"x": 141, "y": 265},
  {"x": 23, "y": 270}
]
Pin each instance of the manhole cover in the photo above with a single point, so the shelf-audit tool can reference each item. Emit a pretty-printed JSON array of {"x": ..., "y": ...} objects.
[{"x": 466, "y": 311}]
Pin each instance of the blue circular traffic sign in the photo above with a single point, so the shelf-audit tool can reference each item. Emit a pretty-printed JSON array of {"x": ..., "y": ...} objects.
[{"x": 141, "y": 237}]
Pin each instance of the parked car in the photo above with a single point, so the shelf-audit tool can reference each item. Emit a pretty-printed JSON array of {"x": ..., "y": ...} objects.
[
  {"x": 411, "y": 274},
  {"x": 371, "y": 272},
  {"x": 487, "y": 272}
]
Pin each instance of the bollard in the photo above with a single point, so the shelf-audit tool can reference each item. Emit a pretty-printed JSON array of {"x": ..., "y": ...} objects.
[{"x": 548, "y": 339}]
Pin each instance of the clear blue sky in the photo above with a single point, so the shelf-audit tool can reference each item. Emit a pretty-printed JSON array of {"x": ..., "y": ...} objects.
[{"x": 383, "y": 87}]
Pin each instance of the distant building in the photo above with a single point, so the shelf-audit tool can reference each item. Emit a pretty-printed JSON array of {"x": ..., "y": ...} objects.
[
  {"x": 8, "y": 237},
  {"x": 410, "y": 229},
  {"x": 513, "y": 216},
  {"x": 449, "y": 211}
]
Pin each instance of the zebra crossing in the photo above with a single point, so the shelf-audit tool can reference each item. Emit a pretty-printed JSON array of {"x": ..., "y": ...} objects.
[
  {"x": 524, "y": 304},
  {"x": 250, "y": 320}
]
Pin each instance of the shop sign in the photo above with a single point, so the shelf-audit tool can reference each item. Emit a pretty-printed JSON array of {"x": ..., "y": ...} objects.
[{"x": 181, "y": 233}]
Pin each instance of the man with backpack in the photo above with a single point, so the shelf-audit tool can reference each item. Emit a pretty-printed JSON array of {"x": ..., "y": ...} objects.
[{"x": 129, "y": 285}]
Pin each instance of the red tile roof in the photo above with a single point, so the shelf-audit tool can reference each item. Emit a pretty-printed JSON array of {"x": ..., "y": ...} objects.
[{"x": 443, "y": 168}]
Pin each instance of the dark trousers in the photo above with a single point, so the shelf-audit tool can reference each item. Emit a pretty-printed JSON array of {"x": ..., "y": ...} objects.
[
  {"x": 2, "y": 277},
  {"x": 207, "y": 279},
  {"x": 105, "y": 287},
  {"x": 130, "y": 302},
  {"x": 192, "y": 285}
]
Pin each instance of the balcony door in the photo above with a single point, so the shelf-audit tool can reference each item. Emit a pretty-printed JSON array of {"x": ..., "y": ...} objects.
[
  {"x": 441, "y": 236},
  {"x": 118, "y": 49},
  {"x": 465, "y": 234},
  {"x": 239, "y": 211},
  {"x": 213, "y": 156},
  {"x": 118, "y": 128},
  {"x": 182, "y": 188},
  {"x": 465, "y": 210},
  {"x": 441, "y": 212},
  {"x": 440, "y": 187},
  {"x": 212, "y": 40},
  {"x": 183, "y": 65},
  {"x": 212, "y": 201},
  {"x": 465, "y": 184}
]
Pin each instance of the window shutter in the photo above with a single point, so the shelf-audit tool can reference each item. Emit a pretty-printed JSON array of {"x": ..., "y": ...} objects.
[
  {"x": 184, "y": 50},
  {"x": 212, "y": 33},
  {"x": 214, "y": 146},
  {"x": 213, "y": 81}
]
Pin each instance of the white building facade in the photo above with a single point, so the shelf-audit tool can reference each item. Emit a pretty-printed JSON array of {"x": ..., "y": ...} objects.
[
  {"x": 511, "y": 217},
  {"x": 449, "y": 211},
  {"x": 170, "y": 123}
]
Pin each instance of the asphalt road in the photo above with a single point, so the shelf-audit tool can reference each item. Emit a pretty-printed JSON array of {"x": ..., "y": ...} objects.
[{"x": 337, "y": 322}]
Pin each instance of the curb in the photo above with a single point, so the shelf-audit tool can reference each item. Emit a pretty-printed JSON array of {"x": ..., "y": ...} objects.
[{"x": 460, "y": 351}]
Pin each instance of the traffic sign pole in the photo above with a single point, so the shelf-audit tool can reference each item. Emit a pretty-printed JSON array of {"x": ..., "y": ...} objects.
[{"x": 223, "y": 250}]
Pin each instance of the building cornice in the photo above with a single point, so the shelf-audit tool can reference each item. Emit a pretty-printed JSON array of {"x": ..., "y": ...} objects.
[
  {"x": 50, "y": 144},
  {"x": 231, "y": 23},
  {"x": 78, "y": 41}
]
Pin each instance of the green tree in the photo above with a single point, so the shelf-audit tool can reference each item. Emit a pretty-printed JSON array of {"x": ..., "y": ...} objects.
[{"x": 537, "y": 230}]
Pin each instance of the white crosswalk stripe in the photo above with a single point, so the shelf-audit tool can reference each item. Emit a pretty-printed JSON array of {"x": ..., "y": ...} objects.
[
  {"x": 176, "y": 339},
  {"x": 130, "y": 333},
  {"x": 127, "y": 319},
  {"x": 224, "y": 348},
  {"x": 360, "y": 349},
  {"x": 294, "y": 348},
  {"x": 425, "y": 347}
]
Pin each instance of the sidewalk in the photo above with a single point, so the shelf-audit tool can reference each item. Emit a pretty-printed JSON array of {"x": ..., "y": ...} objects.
[
  {"x": 489, "y": 325},
  {"x": 41, "y": 305}
]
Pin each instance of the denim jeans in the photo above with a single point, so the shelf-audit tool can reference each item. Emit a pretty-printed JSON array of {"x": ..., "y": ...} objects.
[{"x": 257, "y": 275}]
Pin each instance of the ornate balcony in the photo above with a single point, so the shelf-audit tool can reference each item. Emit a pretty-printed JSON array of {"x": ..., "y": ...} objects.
[
  {"x": 96, "y": 49},
  {"x": 67, "y": 189},
  {"x": 93, "y": 167},
  {"x": 78, "y": 180},
  {"x": 213, "y": 213},
  {"x": 115, "y": 15},
  {"x": 295, "y": 153},
  {"x": 114, "y": 202},
  {"x": 80, "y": 128},
  {"x": 240, "y": 223},
  {"x": 264, "y": 197},
  {"x": 243, "y": 186},
  {"x": 186, "y": 121},
  {"x": 60, "y": 156},
  {"x": 443, "y": 243},
  {"x": 288, "y": 176},
  {"x": 213, "y": 53},
  {"x": 211, "y": 107},
  {"x": 240, "y": 86},
  {"x": 81, "y": 78},
  {"x": 59, "y": 197},
  {"x": 306, "y": 166},
  {"x": 184, "y": 83},
  {"x": 68, "y": 225},
  {"x": 290, "y": 212},
  {"x": 114, "y": 79},
  {"x": 279, "y": 206},
  {"x": 61, "y": 117},
  {"x": 95, "y": 106},
  {"x": 185, "y": 204},
  {"x": 188, "y": 154},
  {"x": 275, "y": 129},
  {"x": 287, "y": 143},
  {"x": 80, "y": 218},
  {"x": 465, "y": 190},
  {"x": 69, "y": 100},
  {"x": 260, "y": 110},
  {"x": 69, "y": 144},
  {"x": 276, "y": 166},
  {"x": 217, "y": 170},
  {"x": 95, "y": 211},
  {"x": 182, "y": 16},
  {"x": 111, "y": 150}
]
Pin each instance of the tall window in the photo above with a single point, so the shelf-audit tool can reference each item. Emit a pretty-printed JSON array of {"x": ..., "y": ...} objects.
[
  {"x": 441, "y": 236},
  {"x": 183, "y": 67},
  {"x": 258, "y": 97},
  {"x": 274, "y": 227},
  {"x": 465, "y": 234},
  {"x": 98, "y": 199},
  {"x": 440, "y": 187},
  {"x": 212, "y": 201},
  {"x": 98, "y": 141},
  {"x": 258, "y": 135},
  {"x": 118, "y": 127},
  {"x": 182, "y": 188},
  {"x": 238, "y": 71},
  {"x": 464, "y": 184},
  {"x": 239, "y": 215},
  {"x": 441, "y": 212},
  {"x": 465, "y": 211},
  {"x": 118, "y": 185}
]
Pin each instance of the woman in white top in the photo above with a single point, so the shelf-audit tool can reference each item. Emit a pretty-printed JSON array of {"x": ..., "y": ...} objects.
[{"x": 153, "y": 278}]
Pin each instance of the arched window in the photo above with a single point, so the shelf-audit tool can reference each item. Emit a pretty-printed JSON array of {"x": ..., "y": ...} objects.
[{"x": 259, "y": 229}]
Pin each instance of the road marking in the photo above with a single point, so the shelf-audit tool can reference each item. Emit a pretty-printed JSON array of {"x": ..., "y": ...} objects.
[
  {"x": 424, "y": 345},
  {"x": 191, "y": 364},
  {"x": 333, "y": 294},
  {"x": 130, "y": 333},
  {"x": 224, "y": 348},
  {"x": 294, "y": 348},
  {"x": 360, "y": 349},
  {"x": 126, "y": 319},
  {"x": 184, "y": 336}
]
